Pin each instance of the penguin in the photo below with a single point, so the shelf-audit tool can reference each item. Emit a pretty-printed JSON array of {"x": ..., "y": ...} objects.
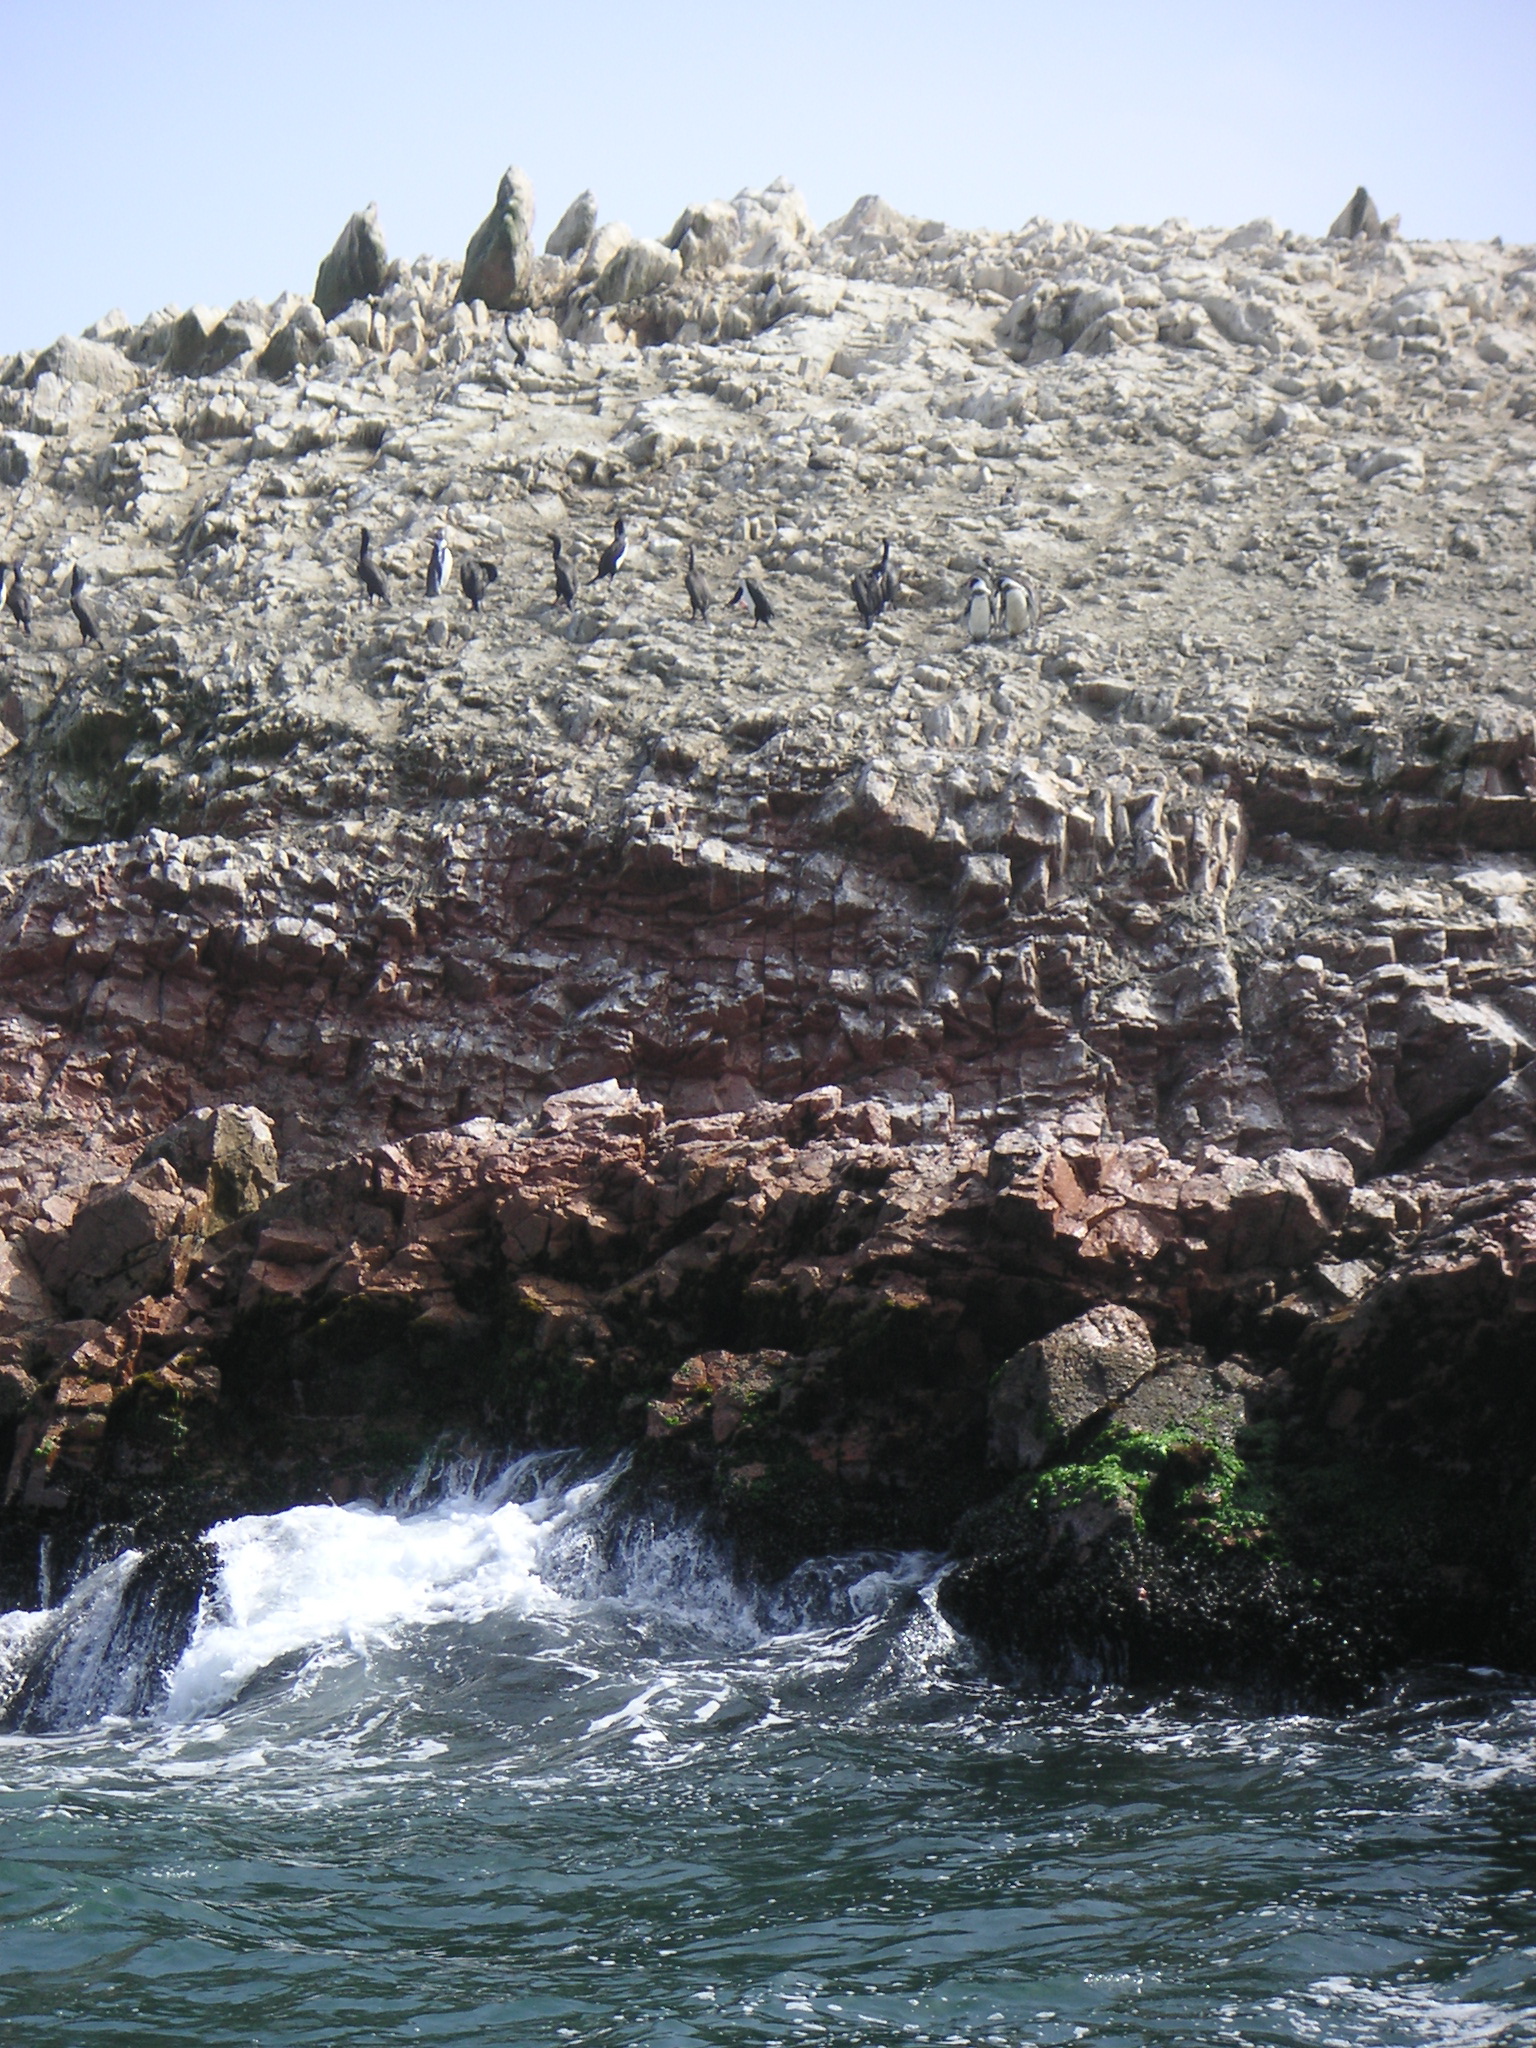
[
  {"x": 978, "y": 609},
  {"x": 697, "y": 589},
  {"x": 866, "y": 597},
  {"x": 565, "y": 583},
  {"x": 475, "y": 579},
  {"x": 612, "y": 558},
  {"x": 881, "y": 579},
  {"x": 748, "y": 592},
  {"x": 85, "y": 618},
  {"x": 1020, "y": 606},
  {"x": 369, "y": 574},
  {"x": 18, "y": 601},
  {"x": 441, "y": 564}
]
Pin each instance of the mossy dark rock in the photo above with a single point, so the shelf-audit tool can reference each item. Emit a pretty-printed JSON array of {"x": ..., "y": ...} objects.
[{"x": 355, "y": 267}]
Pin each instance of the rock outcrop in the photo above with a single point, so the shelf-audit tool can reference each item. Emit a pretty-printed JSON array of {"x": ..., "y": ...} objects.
[{"x": 1068, "y": 1095}]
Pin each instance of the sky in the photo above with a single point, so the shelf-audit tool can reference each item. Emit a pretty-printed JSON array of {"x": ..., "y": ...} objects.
[{"x": 158, "y": 153}]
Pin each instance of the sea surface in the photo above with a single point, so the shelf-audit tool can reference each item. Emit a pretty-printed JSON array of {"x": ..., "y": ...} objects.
[{"x": 500, "y": 1765}]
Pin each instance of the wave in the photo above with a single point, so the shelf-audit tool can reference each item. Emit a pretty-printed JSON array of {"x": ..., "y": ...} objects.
[{"x": 181, "y": 1630}]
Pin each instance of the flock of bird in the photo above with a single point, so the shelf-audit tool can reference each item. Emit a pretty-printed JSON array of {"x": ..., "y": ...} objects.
[{"x": 1006, "y": 603}]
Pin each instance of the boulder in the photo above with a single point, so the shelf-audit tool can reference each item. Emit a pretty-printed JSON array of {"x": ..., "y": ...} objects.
[
  {"x": 229, "y": 341},
  {"x": 96, "y": 363},
  {"x": 636, "y": 271},
  {"x": 1048, "y": 1391},
  {"x": 229, "y": 1152},
  {"x": 575, "y": 228},
  {"x": 120, "y": 1244},
  {"x": 705, "y": 236},
  {"x": 355, "y": 267},
  {"x": 499, "y": 260},
  {"x": 188, "y": 342},
  {"x": 295, "y": 344},
  {"x": 1358, "y": 218}
]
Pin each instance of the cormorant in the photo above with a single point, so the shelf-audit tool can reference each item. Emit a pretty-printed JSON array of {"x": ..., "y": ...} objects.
[
  {"x": 441, "y": 563},
  {"x": 18, "y": 600},
  {"x": 85, "y": 618},
  {"x": 369, "y": 574},
  {"x": 565, "y": 583},
  {"x": 475, "y": 579},
  {"x": 748, "y": 592},
  {"x": 612, "y": 558},
  {"x": 697, "y": 589},
  {"x": 866, "y": 596},
  {"x": 881, "y": 579}
]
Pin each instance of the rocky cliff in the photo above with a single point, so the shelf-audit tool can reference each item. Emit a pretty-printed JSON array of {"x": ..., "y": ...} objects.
[{"x": 753, "y": 1044}]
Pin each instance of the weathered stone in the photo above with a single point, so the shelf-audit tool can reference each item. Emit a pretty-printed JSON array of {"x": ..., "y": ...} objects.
[
  {"x": 229, "y": 1152},
  {"x": 355, "y": 267},
  {"x": 188, "y": 342},
  {"x": 1358, "y": 218},
  {"x": 635, "y": 270},
  {"x": 499, "y": 259},
  {"x": 85, "y": 362},
  {"x": 575, "y": 227},
  {"x": 1051, "y": 1388}
]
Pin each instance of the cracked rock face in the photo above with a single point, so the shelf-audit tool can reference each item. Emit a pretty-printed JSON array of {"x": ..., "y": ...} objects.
[{"x": 1195, "y": 927}]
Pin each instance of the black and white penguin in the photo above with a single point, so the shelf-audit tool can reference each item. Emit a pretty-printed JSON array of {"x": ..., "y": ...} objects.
[
  {"x": 441, "y": 565},
  {"x": 978, "y": 608},
  {"x": 612, "y": 558},
  {"x": 866, "y": 597},
  {"x": 85, "y": 618},
  {"x": 475, "y": 579},
  {"x": 698, "y": 590},
  {"x": 748, "y": 592},
  {"x": 1020, "y": 606},
  {"x": 369, "y": 574},
  {"x": 565, "y": 583},
  {"x": 18, "y": 600}
]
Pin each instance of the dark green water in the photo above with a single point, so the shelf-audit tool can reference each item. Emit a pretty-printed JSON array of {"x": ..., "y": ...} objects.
[{"x": 484, "y": 1774}]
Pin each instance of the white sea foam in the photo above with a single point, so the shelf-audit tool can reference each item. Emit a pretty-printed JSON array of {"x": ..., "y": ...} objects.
[{"x": 318, "y": 1579}]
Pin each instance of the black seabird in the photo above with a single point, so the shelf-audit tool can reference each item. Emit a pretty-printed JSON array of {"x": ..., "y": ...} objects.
[
  {"x": 612, "y": 558},
  {"x": 18, "y": 601},
  {"x": 697, "y": 589},
  {"x": 85, "y": 618},
  {"x": 748, "y": 592},
  {"x": 475, "y": 579},
  {"x": 565, "y": 583},
  {"x": 867, "y": 597},
  {"x": 881, "y": 579},
  {"x": 369, "y": 574},
  {"x": 440, "y": 564}
]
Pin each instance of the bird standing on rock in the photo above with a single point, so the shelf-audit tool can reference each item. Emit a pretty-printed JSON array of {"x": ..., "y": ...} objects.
[
  {"x": 866, "y": 597},
  {"x": 1020, "y": 606},
  {"x": 369, "y": 574},
  {"x": 978, "y": 609},
  {"x": 18, "y": 600},
  {"x": 565, "y": 583},
  {"x": 881, "y": 579},
  {"x": 612, "y": 558},
  {"x": 475, "y": 579},
  {"x": 697, "y": 589},
  {"x": 748, "y": 592},
  {"x": 441, "y": 563},
  {"x": 85, "y": 618}
]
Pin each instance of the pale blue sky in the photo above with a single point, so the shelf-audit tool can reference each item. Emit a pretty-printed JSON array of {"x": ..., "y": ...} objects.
[{"x": 156, "y": 152}]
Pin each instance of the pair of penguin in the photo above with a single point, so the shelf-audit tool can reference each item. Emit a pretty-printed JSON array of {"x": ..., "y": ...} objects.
[
  {"x": 1014, "y": 605},
  {"x": 18, "y": 602}
]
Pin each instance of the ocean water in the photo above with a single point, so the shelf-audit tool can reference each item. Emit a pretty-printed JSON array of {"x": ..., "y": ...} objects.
[{"x": 501, "y": 1766}]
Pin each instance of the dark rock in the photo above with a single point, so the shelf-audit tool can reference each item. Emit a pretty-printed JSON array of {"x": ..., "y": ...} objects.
[
  {"x": 499, "y": 259},
  {"x": 355, "y": 267},
  {"x": 575, "y": 227},
  {"x": 1052, "y": 1388},
  {"x": 1358, "y": 218}
]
